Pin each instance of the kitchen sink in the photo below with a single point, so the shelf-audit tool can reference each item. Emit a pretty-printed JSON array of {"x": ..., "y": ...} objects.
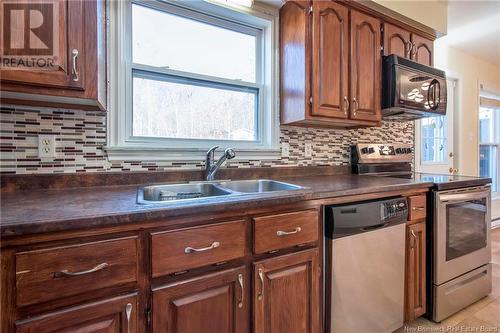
[
  {"x": 202, "y": 190},
  {"x": 257, "y": 186},
  {"x": 176, "y": 192}
]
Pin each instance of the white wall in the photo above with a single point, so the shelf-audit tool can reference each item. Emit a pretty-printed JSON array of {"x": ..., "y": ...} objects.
[{"x": 433, "y": 14}]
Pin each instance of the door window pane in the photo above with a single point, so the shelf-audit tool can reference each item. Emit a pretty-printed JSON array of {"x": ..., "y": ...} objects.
[
  {"x": 188, "y": 109},
  {"x": 169, "y": 41},
  {"x": 465, "y": 228},
  {"x": 434, "y": 145}
]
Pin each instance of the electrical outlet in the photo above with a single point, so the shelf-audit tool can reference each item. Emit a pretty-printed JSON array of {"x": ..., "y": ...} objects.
[
  {"x": 46, "y": 146},
  {"x": 285, "y": 149},
  {"x": 308, "y": 149}
]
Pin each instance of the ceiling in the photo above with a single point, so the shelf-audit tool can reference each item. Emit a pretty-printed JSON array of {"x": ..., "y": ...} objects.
[{"x": 474, "y": 27}]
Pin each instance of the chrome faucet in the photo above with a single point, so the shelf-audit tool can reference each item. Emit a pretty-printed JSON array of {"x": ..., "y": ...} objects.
[{"x": 211, "y": 166}]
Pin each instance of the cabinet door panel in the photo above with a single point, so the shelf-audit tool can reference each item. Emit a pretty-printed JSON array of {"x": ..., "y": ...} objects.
[
  {"x": 365, "y": 67},
  {"x": 295, "y": 56},
  {"x": 214, "y": 303},
  {"x": 423, "y": 50},
  {"x": 117, "y": 315},
  {"x": 396, "y": 41},
  {"x": 330, "y": 59},
  {"x": 286, "y": 294},
  {"x": 70, "y": 30},
  {"x": 415, "y": 295}
]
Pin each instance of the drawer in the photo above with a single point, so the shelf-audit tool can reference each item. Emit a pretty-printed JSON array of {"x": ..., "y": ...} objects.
[
  {"x": 274, "y": 232},
  {"x": 180, "y": 250},
  {"x": 417, "y": 207},
  {"x": 47, "y": 274}
]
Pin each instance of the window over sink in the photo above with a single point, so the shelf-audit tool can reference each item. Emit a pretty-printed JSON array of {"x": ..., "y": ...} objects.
[{"x": 188, "y": 75}]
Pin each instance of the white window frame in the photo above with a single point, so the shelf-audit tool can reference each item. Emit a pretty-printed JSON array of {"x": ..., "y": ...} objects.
[{"x": 121, "y": 145}]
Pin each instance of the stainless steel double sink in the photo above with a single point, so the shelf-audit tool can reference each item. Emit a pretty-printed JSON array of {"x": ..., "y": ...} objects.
[{"x": 172, "y": 193}]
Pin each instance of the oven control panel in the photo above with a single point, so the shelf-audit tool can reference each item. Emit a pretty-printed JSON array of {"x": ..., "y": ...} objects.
[
  {"x": 394, "y": 208},
  {"x": 381, "y": 153}
]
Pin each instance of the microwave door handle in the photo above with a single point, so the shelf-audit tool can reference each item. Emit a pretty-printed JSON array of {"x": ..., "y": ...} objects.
[{"x": 436, "y": 94}]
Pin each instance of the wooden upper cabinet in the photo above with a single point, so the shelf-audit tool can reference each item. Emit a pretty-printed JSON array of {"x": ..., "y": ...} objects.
[
  {"x": 365, "y": 67},
  {"x": 116, "y": 315},
  {"x": 330, "y": 59},
  {"x": 423, "y": 50},
  {"x": 212, "y": 303},
  {"x": 79, "y": 74},
  {"x": 286, "y": 294},
  {"x": 294, "y": 60},
  {"x": 397, "y": 41}
]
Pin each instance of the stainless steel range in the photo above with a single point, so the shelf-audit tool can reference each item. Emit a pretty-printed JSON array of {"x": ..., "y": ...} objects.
[{"x": 459, "y": 247}]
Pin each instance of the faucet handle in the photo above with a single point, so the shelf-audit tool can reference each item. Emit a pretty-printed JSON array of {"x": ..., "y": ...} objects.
[{"x": 229, "y": 153}]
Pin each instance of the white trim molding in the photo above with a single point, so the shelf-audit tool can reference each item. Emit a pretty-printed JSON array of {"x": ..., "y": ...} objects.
[{"x": 121, "y": 145}]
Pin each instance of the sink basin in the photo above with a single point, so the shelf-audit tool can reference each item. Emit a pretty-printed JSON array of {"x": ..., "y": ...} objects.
[
  {"x": 195, "y": 191},
  {"x": 176, "y": 192},
  {"x": 257, "y": 186}
]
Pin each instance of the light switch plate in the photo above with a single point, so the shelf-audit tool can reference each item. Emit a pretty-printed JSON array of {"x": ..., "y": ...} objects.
[
  {"x": 46, "y": 146},
  {"x": 285, "y": 149}
]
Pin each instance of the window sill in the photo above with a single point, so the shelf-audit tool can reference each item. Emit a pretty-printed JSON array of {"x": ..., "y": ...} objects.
[{"x": 179, "y": 155}]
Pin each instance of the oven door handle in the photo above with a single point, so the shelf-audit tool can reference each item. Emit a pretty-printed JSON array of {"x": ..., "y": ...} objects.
[{"x": 456, "y": 197}]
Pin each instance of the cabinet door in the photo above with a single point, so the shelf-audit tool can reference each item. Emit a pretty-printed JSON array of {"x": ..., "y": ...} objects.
[
  {"x": 117, "y": 315},
  {"x": 330, "y": 60},
  {"x": 415, "y": 297},
  {"x": 396, "y": 41},
  {"x": 422, "y": 50},
  {"x": 365, "y": 67},
  {"x": 286, "y": 294},
  {"x": 295, "y": 58},
  {"x": 213, "y": 303},
  {"x": 70, "y": 28}
]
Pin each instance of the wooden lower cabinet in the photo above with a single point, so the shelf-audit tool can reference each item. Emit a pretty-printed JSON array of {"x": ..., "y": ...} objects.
[
  {"x": 115, "y": 315},
  {"x": 415, "y": 293},
  {"x": 212, "y": 303},
  {"x": 286, "y": 294}
]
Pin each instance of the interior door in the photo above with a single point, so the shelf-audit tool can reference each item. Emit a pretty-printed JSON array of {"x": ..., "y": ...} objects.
[
  {"x": 330, "y": 59},
  {"x": 366, "y": 67},
  {"x": 434, "y": 150},
  {"x": 396, "y": 41}
]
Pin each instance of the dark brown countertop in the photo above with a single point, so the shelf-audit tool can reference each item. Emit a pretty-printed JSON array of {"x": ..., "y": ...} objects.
[{"x": 48, "y": 210}]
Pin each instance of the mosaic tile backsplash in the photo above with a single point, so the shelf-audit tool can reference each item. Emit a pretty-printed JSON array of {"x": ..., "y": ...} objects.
[{"x": 81, "y": 136}]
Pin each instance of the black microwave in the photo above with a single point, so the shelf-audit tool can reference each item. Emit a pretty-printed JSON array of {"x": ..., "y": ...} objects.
[{"x": 411, "y": 90}]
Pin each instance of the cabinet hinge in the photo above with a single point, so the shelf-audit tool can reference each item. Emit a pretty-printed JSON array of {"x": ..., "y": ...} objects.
[{"x": 310, "y": 9}]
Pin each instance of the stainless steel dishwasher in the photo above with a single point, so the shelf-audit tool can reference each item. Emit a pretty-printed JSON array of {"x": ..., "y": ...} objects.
[{"x": 365, "y": 266}]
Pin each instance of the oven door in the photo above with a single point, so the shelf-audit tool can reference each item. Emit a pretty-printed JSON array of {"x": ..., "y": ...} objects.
[{"x": 461, "y": 232}]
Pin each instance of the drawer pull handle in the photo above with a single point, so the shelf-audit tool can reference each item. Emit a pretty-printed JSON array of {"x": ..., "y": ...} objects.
[
  {"x": 128, "y": 312},
  {"x": 285, "y": 233},
  {"x": 261, "y": 277},
  {"x": 240, "y": 280},
  {"x": 418, "y": 208},
  {"x": 66, "y": 273},
  {"x": 74, "y": 70},
  {"x": 211, "y": 247},
  {"x": 415, "y": 239}
]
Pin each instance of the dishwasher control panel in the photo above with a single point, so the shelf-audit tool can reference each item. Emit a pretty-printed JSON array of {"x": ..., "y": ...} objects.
[{"x": 394, "y": 208}]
